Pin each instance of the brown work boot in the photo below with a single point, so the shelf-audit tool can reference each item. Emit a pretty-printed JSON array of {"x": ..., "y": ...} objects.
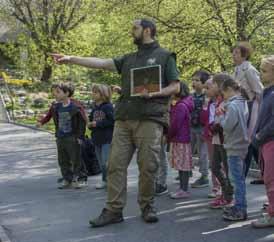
[
  {"x": 106, "y": 217},
  {"x": 149, "y": 214}
]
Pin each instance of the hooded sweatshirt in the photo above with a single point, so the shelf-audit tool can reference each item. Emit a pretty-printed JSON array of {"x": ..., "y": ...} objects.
[
  {"x": 265, "y": 123},
  {"x": 180, "y": 116},
  {"x": 103, "y": 116},
  {"x": 234, "y": 123}
]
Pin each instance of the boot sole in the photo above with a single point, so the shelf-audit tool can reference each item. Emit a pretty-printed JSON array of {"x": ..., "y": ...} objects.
[
  {"x": 152, "y": 220},
  {"x": 105, "y": 224},
  {"x": 234, "y": 219},
  {"x": 65, "y": 188}
]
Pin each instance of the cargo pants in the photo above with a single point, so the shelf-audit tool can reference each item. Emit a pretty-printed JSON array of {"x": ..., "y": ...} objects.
[{"x": 129, "y": 136}]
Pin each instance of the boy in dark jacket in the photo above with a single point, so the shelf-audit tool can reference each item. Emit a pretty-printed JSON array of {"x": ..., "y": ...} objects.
[
  {"x": 45, "y": 119},
  {"x": 198, "y": 80},
  {"x": 69, "y": 130}
]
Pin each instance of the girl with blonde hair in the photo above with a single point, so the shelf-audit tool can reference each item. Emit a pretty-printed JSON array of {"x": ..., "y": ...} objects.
[{"x": 101, "y": 125}]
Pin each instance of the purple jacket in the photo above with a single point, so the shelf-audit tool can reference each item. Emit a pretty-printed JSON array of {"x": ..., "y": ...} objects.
[{"x": 180, "y": 115}]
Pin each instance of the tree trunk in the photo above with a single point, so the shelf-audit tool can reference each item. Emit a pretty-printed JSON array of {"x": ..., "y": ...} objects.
[
  {"x": 46, "y": 74},
  {"x": 240, "y": 21}
]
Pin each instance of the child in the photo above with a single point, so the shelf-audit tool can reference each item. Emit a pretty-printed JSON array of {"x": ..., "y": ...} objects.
[
  {"x": 69, "y": 130},
  {"x": 198, "y": 80},
  {"x": 264, "y": 139},
  {"x": 208, "y": 115},
  {"x": 179, "y": 137},
  {"x": 234, "y": 123},
  {"x": 83, "y": 172},
  {"x": 219, "y": 166},
  {"x": 45, "y": 119},
  {"x": 102, "y": 124}
]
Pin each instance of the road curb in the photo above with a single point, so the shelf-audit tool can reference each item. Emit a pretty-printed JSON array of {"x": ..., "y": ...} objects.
[{"x": 3, "y": 235}]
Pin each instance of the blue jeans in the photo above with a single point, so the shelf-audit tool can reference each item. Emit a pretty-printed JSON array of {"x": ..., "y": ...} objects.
[
  {"x": 237, "y": 173},
  {"x": 102, "y": 153}
]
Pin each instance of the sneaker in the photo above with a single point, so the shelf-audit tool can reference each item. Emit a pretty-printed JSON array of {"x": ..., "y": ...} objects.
[
  {"x": 101, "y": 185},
  {"x": 264, "y": 222},
  {"x": 265, "y": 206},
  {"x": 201, "y": 182},
  {"x": 76, "y": 185},
  {"x": 212, "y": 195},
  {"x": 65, "y": 185},
  {"x": 215, "y": 193},
  {"x": 235, "y": 214},
  {"x": 83, "y": 183},
  {"x": 161, "y": 190},
  {"x": 149, "y": 214},
  {"x": 106, "y": 217},
  {"x": 179, "y": 194},
  {"x": 228, "y": 209},
  {"x": 219, "y": 202}
]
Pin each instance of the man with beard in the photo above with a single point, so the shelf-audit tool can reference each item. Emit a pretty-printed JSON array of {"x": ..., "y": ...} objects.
[{"x": 139, "y": 122}]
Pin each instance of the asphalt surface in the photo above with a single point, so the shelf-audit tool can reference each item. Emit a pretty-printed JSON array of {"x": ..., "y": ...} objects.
[{"x": 32, "y": 209}]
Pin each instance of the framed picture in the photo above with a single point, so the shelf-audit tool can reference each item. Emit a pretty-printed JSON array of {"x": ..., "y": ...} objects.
[{"x": 145, "y": 78}]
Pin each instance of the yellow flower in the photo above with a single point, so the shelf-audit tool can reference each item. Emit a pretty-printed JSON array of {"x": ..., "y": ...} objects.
[{"x": 17, "y": 82}]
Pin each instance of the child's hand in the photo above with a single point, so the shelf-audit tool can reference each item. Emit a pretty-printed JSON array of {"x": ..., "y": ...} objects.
[
  {"x": 92, "y": 124},
  {"x": 220, "y": 110},
  {"x": 223, "y": 109},
  {"x": 116, "y": 89}
]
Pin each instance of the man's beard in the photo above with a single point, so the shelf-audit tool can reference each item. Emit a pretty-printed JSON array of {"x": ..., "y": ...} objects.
[{"x": 138, "y": 40}]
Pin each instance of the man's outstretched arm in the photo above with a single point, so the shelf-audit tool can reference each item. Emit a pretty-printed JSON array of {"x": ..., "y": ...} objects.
[{"x": 90, "y": 62}]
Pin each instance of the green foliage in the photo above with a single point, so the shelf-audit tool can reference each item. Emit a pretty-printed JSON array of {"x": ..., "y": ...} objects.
[{"x": 201, "y": 32}]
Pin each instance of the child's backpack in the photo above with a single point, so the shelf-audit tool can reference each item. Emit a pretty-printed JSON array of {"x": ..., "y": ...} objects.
[{"x": 89, "y": 157}]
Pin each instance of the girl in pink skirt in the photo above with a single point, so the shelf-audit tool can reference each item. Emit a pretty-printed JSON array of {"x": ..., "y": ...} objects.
[
  {"x": 264, "y": 139},
  {"x": 179, "y": 138}
]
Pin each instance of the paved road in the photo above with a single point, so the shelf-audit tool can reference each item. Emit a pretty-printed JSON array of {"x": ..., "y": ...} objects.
[{"x": 33, "y": 210}]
